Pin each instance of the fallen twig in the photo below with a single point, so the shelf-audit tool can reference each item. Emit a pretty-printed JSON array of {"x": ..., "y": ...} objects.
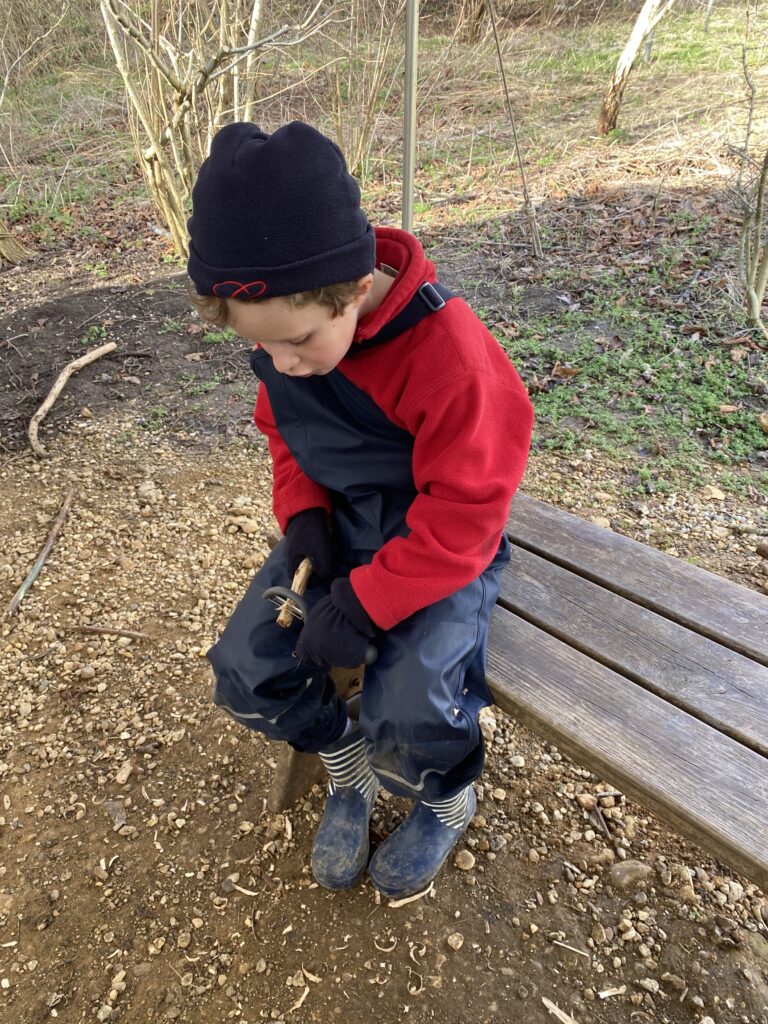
[
  {"x": 562, "y": 1016},
  {"x": 58, "y": 387},
  {"x": 108, "y": 631},
  {"x": 18, "y": 597},
  {"x": 607, "y": 993},
  {"x": 410, "y": 899},
  {"x": 573, "y": 949}
]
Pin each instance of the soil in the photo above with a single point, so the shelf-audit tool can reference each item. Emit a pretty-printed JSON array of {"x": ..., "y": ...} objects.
[{"x": 142, "y": 877}]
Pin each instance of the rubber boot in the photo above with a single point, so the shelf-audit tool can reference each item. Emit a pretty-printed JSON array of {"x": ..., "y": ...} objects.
[
  {"x": 408, "y": 860},
  {"x": 341, "y": 847}
]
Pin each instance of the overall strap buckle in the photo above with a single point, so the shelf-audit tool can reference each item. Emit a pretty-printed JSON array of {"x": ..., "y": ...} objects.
[{"x": 431, "y": 296}]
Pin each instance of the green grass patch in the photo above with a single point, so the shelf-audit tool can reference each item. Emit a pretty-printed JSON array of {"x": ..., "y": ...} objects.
[
  {"x": 95, "y": 335},
  {"x": 194, "y": 387},
  {"x": 219, "y": 337},
  {"x": 642, "y": 386}
]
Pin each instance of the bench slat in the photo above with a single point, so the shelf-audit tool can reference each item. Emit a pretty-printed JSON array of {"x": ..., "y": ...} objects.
[
  {"x": 711, "y": 682},
  {"x": 712, "y": 788},
  {"x": 726, "y": 612}
]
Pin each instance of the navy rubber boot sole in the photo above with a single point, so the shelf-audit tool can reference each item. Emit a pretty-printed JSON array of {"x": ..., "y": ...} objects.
[
  {"x": 342, "y": 845},
  {"x": 408, "y": 860}
]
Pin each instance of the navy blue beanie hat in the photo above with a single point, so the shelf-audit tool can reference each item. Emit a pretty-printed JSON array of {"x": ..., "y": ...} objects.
[{"x": 275, "y": 215}]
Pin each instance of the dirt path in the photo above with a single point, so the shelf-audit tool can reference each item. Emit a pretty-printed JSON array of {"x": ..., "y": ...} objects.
[{"x": 142, "y": 877}]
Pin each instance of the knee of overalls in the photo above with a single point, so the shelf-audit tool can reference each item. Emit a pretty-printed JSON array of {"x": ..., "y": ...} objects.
[
  {"x": 259, "y": 681},
  {"x": 421, "y": 699}
]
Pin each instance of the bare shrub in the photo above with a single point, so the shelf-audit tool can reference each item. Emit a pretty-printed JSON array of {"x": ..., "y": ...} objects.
[
  {"x": 650, "y": 15},
  {"x": 363, "y": 54},
  {"x": 189, "y": 68},
  {"x": 750, "y": 193}
]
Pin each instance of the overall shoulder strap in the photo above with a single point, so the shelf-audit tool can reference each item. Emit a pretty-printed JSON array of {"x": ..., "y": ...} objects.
[{"x": 428, "y": 298}]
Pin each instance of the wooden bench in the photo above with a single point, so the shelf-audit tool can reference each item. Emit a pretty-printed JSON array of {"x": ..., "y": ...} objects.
[{"x": 649, "y": 671}]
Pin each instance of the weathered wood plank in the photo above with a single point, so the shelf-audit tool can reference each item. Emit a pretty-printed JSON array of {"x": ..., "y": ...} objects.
[
  {"x": 711, "y": 682},
  {"x": 708, "y": 785},
  {"x": 726, "y": 612}
]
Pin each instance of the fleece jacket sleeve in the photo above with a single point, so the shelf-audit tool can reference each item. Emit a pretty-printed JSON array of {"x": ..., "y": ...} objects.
[
  {"x": 470, "y": 449},
  {"x": 292, "y": 490}
]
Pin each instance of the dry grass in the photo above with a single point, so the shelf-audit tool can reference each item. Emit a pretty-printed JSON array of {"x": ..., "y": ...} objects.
[{"x": 682, "y": 117}]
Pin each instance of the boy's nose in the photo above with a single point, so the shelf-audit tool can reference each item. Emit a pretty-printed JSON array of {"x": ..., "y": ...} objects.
[{"x": 285, "y": 361}]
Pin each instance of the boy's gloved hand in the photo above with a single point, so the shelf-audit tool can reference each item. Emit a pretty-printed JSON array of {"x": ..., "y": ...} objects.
[
  {"x": 308, "y": 535},
  {"x": 337, "y": 630}
]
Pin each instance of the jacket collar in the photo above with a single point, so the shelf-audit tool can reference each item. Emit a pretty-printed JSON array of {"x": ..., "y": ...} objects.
[{"x": 403, "y": 252}]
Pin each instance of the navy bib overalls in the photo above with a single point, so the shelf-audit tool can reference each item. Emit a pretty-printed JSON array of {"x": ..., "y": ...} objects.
[{"x": 422, "y": 696}]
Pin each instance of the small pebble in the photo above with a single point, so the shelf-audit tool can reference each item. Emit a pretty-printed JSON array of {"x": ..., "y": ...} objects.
[{"x": 465, "y": 861}]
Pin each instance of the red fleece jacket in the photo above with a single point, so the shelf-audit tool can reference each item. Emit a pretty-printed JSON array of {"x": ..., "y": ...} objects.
[{"x": 449, "y": 384}]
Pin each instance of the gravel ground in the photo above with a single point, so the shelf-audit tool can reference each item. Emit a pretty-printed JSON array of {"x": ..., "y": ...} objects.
[{"x": 141, "y": 875}]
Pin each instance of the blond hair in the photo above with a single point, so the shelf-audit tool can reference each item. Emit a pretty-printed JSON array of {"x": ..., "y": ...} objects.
[{"x": 336, "y": 296}]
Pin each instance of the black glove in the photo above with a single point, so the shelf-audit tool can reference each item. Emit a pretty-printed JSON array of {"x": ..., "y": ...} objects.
[
  {"x": 308, "y": 535},
  {"x": 337, "y": 630}
]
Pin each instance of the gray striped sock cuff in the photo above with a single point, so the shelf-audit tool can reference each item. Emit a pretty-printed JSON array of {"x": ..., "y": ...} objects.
[
  {"x": 453, "y": 811},
  {"x": 349, "y": 767}
]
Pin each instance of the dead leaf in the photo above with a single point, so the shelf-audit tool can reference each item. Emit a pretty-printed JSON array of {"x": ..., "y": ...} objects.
[
  {"x": 763, "y": 421},
  {"x": 728, "y": 408},
  {"x": 560, "y": 370},
  {"x": 194, "y": 357},
  {"x": 737, "y": 354}
]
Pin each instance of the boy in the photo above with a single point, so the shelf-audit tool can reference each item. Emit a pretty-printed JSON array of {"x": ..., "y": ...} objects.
[{"x": 398, "y": 432}]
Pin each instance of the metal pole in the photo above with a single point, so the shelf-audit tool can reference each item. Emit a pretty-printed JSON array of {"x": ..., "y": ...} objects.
[{"x": 409, "y": 119}]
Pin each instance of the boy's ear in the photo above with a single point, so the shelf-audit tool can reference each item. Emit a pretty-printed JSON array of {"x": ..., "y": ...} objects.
[{"x": 364, "y": 285}]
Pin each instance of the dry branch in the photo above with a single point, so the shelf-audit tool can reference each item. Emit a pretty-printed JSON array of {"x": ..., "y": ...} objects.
[
  {"x": 58, "y": 387},
  {"x": 18, "y": 597},
  {"x": 107, "y": 631}
]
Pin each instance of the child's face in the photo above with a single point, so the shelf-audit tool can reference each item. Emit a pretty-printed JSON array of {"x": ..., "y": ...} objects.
[{"x": 302, "y": 342}]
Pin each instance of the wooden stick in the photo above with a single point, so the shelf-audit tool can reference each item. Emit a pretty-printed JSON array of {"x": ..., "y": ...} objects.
[
  {"x": 108, "y": 631},
  {"x": 299, "y": 584},
  {"x": 18, "y": 597},
  {"x": 58, "y": 387}
]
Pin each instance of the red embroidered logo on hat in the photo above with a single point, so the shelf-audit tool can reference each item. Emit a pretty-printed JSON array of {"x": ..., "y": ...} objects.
[{"x": 240, "y": 291}]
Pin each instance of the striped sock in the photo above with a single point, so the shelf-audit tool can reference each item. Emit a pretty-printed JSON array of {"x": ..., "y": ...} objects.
[
  {"x": 349, "y": 767},
  {"x": 453, "y": 811}
]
